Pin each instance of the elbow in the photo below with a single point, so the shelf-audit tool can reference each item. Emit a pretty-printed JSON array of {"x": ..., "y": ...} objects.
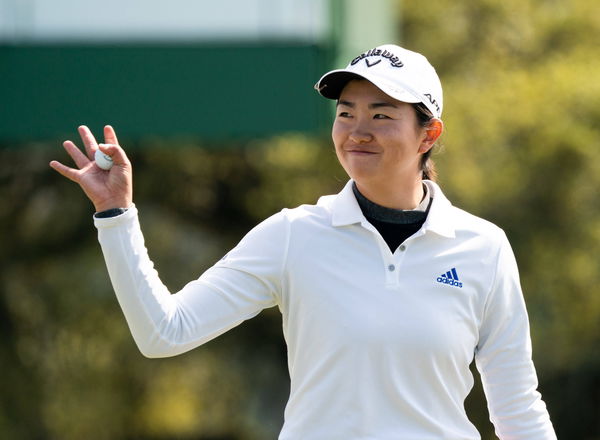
[
  {"x": 157, "y": 347},
  {"x": 152, "y": 354},
  {"x": 151, "y": 351},
  {"x": 164, "y": 339}
]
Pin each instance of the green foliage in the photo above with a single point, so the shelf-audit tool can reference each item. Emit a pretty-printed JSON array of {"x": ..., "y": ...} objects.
[
  {"x": 522, "y": 113},
  {"x": 522, "y": 110},
  {"x": 69, "y": 362}
]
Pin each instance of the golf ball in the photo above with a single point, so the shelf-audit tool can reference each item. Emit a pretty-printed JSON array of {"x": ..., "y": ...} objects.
[{"x": 104, "y": 161}]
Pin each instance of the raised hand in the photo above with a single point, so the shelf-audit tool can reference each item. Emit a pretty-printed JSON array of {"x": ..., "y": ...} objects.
[{"x": 106, "y": 189}]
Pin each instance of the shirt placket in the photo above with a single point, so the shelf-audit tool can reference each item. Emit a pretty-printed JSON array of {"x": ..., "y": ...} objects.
[{"x": 391, "y": 261}]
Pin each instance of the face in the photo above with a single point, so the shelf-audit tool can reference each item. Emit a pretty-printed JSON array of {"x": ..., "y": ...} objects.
[{"x": 377, "y": 138}]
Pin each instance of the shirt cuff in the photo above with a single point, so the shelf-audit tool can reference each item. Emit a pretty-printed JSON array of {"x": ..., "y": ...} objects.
[
  {"x": 110, "y": 213},
  {"x": 114, "y": 217}
]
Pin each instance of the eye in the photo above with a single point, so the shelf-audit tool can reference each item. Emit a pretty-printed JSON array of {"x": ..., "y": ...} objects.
[
  {"x": 381, "y": 116},
  {"x": 343, "y": 115}
]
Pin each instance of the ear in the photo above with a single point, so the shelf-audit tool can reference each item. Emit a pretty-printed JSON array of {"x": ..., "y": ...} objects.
[{"x": 432, "y": 132}]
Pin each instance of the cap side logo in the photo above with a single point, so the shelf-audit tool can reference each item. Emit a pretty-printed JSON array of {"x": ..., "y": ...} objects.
[{"x": 433, "y": 101}]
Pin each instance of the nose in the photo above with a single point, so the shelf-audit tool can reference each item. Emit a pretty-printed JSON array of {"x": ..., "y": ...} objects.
[{"x": 360, "y": 134}]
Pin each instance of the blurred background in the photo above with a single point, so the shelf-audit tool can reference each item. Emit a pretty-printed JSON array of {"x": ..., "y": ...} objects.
[{"x": 213, "y": 102}]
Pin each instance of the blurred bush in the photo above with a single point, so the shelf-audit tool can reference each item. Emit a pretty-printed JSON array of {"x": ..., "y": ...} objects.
[{"x": 522, "y": 111}]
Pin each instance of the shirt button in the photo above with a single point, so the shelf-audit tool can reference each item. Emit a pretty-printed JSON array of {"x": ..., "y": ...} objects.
[
  {"x": 391, "y": 268},
  {"x": 402, "y": 248}
]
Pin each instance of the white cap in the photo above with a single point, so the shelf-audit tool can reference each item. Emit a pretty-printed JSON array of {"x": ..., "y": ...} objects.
[{"x": 400, "y": 73}]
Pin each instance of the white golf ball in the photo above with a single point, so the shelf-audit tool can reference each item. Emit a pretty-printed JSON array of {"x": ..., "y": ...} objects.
[{"x": 104, "y": 161}]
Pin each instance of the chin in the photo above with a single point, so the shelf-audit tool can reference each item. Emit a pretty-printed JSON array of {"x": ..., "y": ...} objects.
[
  {"x": 364, "y": 179},
  {"x": 362, "y": 172}
]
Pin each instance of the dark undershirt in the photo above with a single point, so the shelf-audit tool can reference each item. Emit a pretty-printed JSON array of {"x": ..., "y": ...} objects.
[{"x": 394, "y": 225}]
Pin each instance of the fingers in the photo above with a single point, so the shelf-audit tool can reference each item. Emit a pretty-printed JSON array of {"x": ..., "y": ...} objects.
[
  {"x": 111, "y": 147},
  {"x": 76, "y": 154},
  {"x": 88, "y": 140},
  {"x": 115, "y": 152},
  {"x": 110, "y": 137},
  {"x": 105, "y": 188},
  {"x": 69, "y": 173}
]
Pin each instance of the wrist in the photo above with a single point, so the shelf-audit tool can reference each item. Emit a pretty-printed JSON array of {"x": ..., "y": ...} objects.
[
  {"x": 113, "y": 212},
  {"x": 112, "y": 204}
]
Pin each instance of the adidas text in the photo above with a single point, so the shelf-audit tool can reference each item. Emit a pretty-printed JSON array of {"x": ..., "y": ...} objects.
[{"x": 449, "y": 281}]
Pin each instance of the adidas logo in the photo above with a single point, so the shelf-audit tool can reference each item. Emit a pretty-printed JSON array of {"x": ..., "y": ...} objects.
[{"x": 450, "y": 277}]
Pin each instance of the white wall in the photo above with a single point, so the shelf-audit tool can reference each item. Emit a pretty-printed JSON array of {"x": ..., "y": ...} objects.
[
  {"x": 366, "y": 24},
  {"x": 160, "y": 20}
]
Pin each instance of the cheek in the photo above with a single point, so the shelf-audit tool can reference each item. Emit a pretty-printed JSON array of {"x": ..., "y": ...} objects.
[
  {"x": 338, "y": 136},
  {"x": 406, "y": 140}
]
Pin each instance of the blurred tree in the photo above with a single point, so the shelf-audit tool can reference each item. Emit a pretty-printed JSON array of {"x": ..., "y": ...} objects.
[
  {"x": 522, "y": 111},
  {"x": 69, "y": 363}
]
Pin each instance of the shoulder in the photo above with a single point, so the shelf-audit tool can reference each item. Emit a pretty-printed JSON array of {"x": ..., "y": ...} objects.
[
  {"x": 484, "y": 238},
  {"x": 456, "y": 222},
  {"x": 306, "y": 216},
  {"x": 290, "y": 219},
  {"x": 465, "y": 222}
]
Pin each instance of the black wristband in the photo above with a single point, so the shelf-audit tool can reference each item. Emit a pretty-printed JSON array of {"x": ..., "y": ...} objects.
[{"x": 110, "y": 213}]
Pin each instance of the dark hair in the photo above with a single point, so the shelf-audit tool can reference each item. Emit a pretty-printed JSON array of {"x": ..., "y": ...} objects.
[{"x": 424, "y": 117}]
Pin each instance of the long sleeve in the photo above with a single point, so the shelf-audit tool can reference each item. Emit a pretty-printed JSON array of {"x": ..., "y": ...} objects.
[
  {"x": 165, "y": 324},
  {"x": 503, "y": 358}
]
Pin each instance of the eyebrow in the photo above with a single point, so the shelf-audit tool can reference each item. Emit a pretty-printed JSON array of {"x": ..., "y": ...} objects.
[{"x": 373, "y": 105}]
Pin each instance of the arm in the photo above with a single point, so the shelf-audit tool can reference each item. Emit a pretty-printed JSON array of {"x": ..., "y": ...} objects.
[
  {"x": 163, "y": 324},
  {"x": 235, "y": 289},
  {"x": 503, "y": 357}
]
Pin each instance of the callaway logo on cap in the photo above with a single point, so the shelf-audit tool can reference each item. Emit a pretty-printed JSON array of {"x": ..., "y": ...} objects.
[{"x": 400, "y": 73}]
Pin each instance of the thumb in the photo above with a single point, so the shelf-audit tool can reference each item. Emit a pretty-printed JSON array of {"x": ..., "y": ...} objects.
[{"x": 116, "y": 153}]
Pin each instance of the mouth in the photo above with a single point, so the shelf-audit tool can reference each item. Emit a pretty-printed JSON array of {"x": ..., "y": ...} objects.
[{"x": 361, "y": 151}]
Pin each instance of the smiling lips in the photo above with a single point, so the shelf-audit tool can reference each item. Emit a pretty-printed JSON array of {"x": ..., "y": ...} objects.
[{"x": 361, "y": 150}]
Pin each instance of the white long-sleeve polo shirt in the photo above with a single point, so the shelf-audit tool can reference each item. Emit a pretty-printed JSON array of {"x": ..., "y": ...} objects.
[{"x": 379, "y": 343}]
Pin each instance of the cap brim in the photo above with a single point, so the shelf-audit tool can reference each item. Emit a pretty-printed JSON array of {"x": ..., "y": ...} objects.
[{"x": 332, "y": 83}]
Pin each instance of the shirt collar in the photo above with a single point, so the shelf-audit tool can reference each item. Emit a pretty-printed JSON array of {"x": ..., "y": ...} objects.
[
  {"x": 440, "y": 219},
  {"x": 346, "y": 211}
]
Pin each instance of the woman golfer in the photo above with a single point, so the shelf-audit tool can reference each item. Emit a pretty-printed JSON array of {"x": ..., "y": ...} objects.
[{"x": 387, "y": 292}]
